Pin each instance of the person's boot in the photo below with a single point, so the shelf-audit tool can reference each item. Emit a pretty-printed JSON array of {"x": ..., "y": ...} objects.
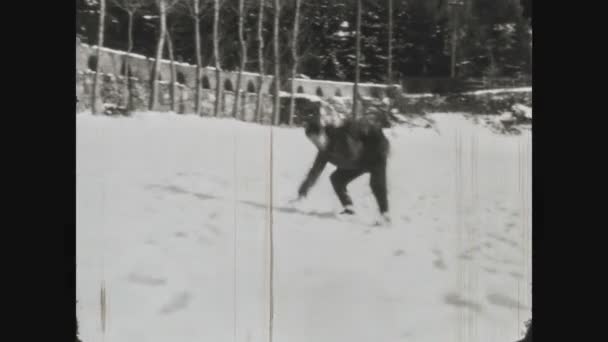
[{"x": 348, "y": 210}]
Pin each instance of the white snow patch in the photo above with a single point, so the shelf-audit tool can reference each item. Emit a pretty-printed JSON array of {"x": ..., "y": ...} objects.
[
  {"x": 312, "y": 98},
  {"x": 118, "y": 52},
  {"x": 522, "y": 110},
  {"x": 165, "y": 202},
  {"x": 501, "y": 90},
  {"x": 414, "y": 96},
  {"x": 138, "y": 56}
]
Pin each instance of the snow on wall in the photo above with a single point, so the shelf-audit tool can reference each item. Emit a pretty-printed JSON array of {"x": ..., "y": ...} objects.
[{"x": 112, "y": 62}]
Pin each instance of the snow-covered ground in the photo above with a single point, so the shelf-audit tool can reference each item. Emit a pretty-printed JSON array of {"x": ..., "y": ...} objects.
[
  {"x": 501, "y": 90},
  {"x": 173, "y": 218}
]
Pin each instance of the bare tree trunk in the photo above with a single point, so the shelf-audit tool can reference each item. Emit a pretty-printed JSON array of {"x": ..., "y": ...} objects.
[
  {"x": 216, "y": 57},
  {"x": 530, "y": 44},
  {"x": 128, "y": 98},
  {"x": 389, "y": 76},
  {"x": 453, "y": 55},
  {"x": 530, "y": 53},
  {"x": 197, "y": 43},
  {"x": 159, "y": 54},
  {"x": 454, "y": 42},
  {"x": 100, "y": 28},
  {"x": 173, "y": 72},
  {"x": 277, "y": 64},
  {"x": 237, "y": 94},
  {"x": 274, "y": 120},
  {"x": 294, "y": 67},
  {"x": 258, "y": 102},
  {"x": 490, "y": 76},
  {"x": 358, "y": 60}
]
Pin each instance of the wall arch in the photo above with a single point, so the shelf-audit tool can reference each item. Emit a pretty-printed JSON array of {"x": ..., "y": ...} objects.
[
  {"x": 181, "y": 78},
  {"x": 92, "y": 62},
  {"x": 124, "y": 71},
  {"x": 250, "y": 87},
  {"x": 319, "y": 92},
  {"x": 376, "y": 92},
  {"x": 205, "y": 83},
  {"x": 228, "y": 85}
]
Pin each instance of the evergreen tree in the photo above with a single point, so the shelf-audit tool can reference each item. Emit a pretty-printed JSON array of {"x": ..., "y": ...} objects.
[{"x": 493, "y": 37}]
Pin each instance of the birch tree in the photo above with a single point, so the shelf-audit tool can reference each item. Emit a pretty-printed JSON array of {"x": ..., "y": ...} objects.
[
  {"x": 100, "y": 28},
  {"x": 294, "y": 55},
  {"x": 277, "y": 64},
  {"x": 243, "y": 59},
  {"x": 173, "y": 71},
  {"x": 194, "y": 7},
  {"x": 258, "y": 102},
  {"x": 357, "y": 60},
  {"x": 163, "y": 7},
  {"x": 131, "y": 7},
  {"x": 216, "y": 57},
  {"x": 389, "y": 68}
]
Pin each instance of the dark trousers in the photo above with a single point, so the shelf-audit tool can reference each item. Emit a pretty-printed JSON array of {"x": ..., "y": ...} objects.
[{"x": 342, "y": 177}]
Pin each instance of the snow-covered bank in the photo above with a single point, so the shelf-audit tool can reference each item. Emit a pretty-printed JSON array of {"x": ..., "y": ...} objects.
[
  {"x": 490, "y": 101},
  {"x": 173, "y": 215},
  {"x": 500, "y": 91}
]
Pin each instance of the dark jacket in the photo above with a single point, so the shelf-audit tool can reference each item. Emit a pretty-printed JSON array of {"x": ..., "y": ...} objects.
[{"x": 357, "y": 144}]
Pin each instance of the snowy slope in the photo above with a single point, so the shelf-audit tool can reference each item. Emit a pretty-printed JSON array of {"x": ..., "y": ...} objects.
[{"x": 173, "y": 215}]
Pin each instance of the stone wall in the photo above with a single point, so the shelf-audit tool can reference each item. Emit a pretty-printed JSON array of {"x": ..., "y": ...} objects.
[
  {"x": 309, "y": 92},
  {"x": 113, "y": 90},
  {"x": 112, "y": 62}
]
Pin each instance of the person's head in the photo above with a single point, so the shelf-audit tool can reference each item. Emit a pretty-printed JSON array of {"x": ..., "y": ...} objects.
[{"x": 316, "y": 124}]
